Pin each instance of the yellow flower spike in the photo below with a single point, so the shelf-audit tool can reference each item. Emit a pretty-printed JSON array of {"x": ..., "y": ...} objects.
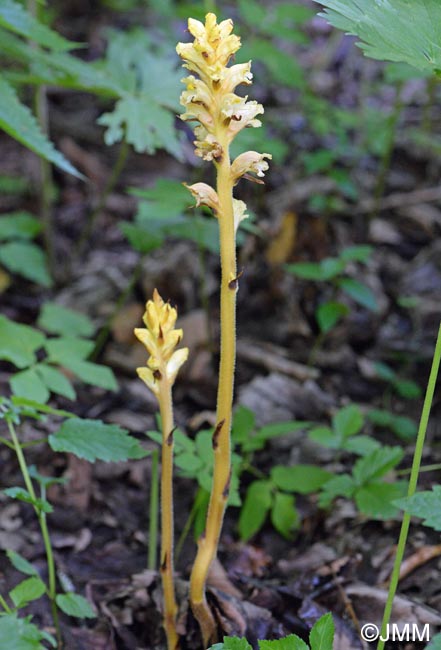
[
  {"x": 161, "y": 339},
  {"x": 210, "y": 100}
]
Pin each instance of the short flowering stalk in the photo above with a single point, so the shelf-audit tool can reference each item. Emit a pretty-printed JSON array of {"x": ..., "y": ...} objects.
[
  {"x": 211, "y": 101},
  {"x": 161, "y": 339}
]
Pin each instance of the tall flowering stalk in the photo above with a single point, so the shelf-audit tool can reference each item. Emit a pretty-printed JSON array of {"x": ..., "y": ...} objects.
[
  {"x": 210, "y": 100},
  {"x": 161, "y": 339}
]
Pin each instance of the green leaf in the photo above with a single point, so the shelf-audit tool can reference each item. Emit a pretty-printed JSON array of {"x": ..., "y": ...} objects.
[
  {"x": 28, "y": 383},
  {"x": 343, "y": 485},
  {"x": 356, "y": 253},
  {"x": 321, "y": 636},
  {"x": 45, "y": 481},
  {"x": 28, "y": 404},
  {"x": 283, "y": 69},
  {"x": 426, "y": 505},
  {"x": 385, "y": 372},
  {"x": 30, "y": 589},
  {"x": 376, "y": 464},
  {"x": 291, "y": 642},
  {"x": 401, "y": 425},
  {"x": 18, "y": 343},
  {"x": 92, "y": 373},
  {"x": 255, "y": 509},
  {"x": 326, "y": 437},
  {"x": 377, "y": 499},
  {"x": 435, "y": 643},
  {"x": 19, "y": 225},
  {"x": 359, "y": 292},
  {"x": 140, "y": 238},
  {"x": 94, "y": 440},
  {"x": 189, "y": 464},
  {"x": 14, "y": 17},
  {"x": 20, "y": 494},
  {"x": 392, "y": 30},
  {"x": 55, "y": 381},
  {"x": 17, "y": 120},
  {"x": 75, "y": 605},
  {"x": 66, "y": 349},
  {"x": 361, "y": 445},
  {"x": 407, "y": 388},
  {"x": 57, "y": 319},
  {"x": 21, "y": 564},
  {"x": 234, "y": 643},
  {"x": 284, "y": 515},
  {"x": 302, "y": 479},
  {"x": 307, "y": 270},
  {"x": 348, "y": 421},
  {"x": 20, "y": 634},
  {"x": 27, "y": 260},
  {"x": 243, "y": 424},
  {"x": 329, "y": 314}
]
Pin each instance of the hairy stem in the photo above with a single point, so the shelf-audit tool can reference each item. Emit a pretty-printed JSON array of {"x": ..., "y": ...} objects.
[
  {"x": 208, "y": 542},
  {"x": 153, "y": 511},
  {"x": 413, "y": 480},
  {"x": 167, "y": 530}
]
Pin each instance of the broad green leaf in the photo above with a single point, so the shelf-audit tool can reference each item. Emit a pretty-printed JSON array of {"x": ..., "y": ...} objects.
[
  {"x": 92, "y": 373},
  {"x": 426, "y": 505},
  {"x": 356, "y": 253},
  {"x": 337, "y": 486},
  {"x": 14, "y": 17},
  {"x": 189, "y": 464},
  {"x": 255, "y": 508},
  {"x": 21, "y": 564},
  {"x": 307, "y": 270},
  {"x": 27, "y": 260},
  {"x": 348, "y": 421},
  {"x": 94, "y": 440},
  {"x": 321, "y": 636},
  {"x": 66, "y": 349},
  {"x": 28, "y": 383},
  {"x": 57, "y": 319},
  {"x": 18, "y": 343},
  {"x": 291, "y": 642},
  {"x": 20, "y": 494},
  {"x": 243, "y": 423},
  {"x": 359, "y": 292},
  {"x": 55, "y": 381},
  {"x": 326, "y": 437},
  {"x": 204, "y": 232},
  {"x": 302, "y": 479},
  {"x": 75, "y": 605},
  {"x": 19, "y": 225},
  {"x": 405, "y": 31},
  {"x": 18, "y": 121},
  {"x": 377, "y": 499},
  {"x": 329, "y": 314},
  {"x": 376, "y": 464},
  {"x": 140, "y": 238},
  {"x": 361, "y": 445},
  {"x": 20, "y": 634},
  {"x": 407, "y": 388},
  {"x": 284, "y": 515},
  {"x": 277, "y": 429},
  {"x": 30, "y": 589}
]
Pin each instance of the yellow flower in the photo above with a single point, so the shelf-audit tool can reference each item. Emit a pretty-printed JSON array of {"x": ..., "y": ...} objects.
[{"x": 160, "y": 338}]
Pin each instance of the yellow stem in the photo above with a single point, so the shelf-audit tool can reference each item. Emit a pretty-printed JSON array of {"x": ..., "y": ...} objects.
[
  {"x": 167, "y": 563},
  {"x": 208, "y": 542}
]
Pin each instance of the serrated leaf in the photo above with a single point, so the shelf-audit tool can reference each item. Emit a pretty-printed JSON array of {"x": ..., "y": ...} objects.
[
  {"x": 348, "y": 421},
  {"x": 325, "y": 436},
  {"x": 255, "y": 508},
  {"x": 361, "y": 445},
  {"x": 329, "y": 314},
  {"x": 359, "y": 292},
  {"x": 392, "y": 30},
  {"x": 234, "y": 643},
  {"x": 94, "y": 440},
  {"x": 14, "y": 17},
  {"x": 337, "y": 486},
  {"x": 291, "y": 642},
  {"x": 66, "y": 349},
  {"x": 321, "y": 636},
  {"x": 377, "y": 499},
  {"x": 55, "y": 381},
  {"x": 18, "y": 343},
  {"x": 376, "y": 464},
  {"x": 426, "y": 505},
  {"x": 20, "y": 494},
  {"x": 92, "y": 373},
  {"x": 20, "y": 634},
  {"x": 21, "y": 564},
  {"x": 30, "y": 589},
  {"x": 18, "y": 121},
  {"x": 28, "y": 383},
  {"x": 57, "y": 319},
  {"x": 19, "y": 225},
  {"x": 284, "y": 515},
  {"x": 302, "y": 479},
  {"x": 75, "y": 605}
]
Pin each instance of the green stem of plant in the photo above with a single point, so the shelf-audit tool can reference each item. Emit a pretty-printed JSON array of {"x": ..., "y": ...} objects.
[
  {"x": 113, "y": 179},
  {"x": 5, "y": 605},
  {"x": 413, "y": 480},
  {"x": 423, "y": 468},
  {"x": 51, "y": 591},
  {"x": 153, "y": 511},
  {"x": 209, "y": 540},
  {"x": 188, "y": 524}
]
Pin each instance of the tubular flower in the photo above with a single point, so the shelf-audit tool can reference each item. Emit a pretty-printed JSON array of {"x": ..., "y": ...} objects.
[
  {"x": 160, "y": 338},
  {"x": 250, "y": 162},
  {"x": 204, "y": 195}
]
